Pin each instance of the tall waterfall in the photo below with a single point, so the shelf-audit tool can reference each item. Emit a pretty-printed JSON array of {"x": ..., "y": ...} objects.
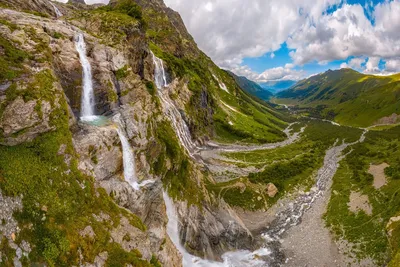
[
  {"x": 241, "y": 258},
  {"x": 56, "y": 10},
  {"x": 170, "y": 108},
  {"x": 87, "y": 101},
  {"x": 159, "y": 72},
  {"x": 127, "y": 155}
]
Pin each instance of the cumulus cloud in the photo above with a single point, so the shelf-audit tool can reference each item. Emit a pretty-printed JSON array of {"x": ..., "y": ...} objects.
[
  {"x": 393, "y": 65},
  {"x": 354, "y": 63},
  {"x": 236, "y": 29},
  {"x": 273, "y": 74},
  {"x": 372, "y": 65},
  {"x": 230, "y": 30}
]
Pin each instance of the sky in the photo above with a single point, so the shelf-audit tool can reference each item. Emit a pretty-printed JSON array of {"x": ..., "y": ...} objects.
[{"x": 270, "y": 40}]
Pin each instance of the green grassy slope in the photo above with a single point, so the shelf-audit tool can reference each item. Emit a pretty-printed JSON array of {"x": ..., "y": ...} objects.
[
  {"x": 252, "y": 87},
  {"x": 351, "y": 98},
  {"x": 211, "y": 110},
  {"x": 286, "y": 167},
  {"x": 371, "y": 235}
]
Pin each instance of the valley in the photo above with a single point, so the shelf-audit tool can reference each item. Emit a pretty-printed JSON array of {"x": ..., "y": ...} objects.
[{"x": 123, "y": 144}]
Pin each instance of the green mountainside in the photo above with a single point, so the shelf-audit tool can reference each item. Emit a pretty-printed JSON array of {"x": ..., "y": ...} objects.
[
  {"x": 252, "y": 87},
  {"x": 62, "y": 180},
  {"x": 229, "y": 161},
  {"x": 348, "y": 97}
]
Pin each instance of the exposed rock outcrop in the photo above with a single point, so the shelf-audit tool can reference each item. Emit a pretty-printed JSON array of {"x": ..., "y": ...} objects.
[{"x": 21, "y": 121}]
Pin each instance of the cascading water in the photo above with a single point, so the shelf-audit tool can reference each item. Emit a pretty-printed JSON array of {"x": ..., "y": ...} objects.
[
  {"x": 170, "y": 109},
  {"x": 159, "y": 72},
  {"x": 231, "y": 259},
  {"x": 87, "y": 102},
  {"x": 127, "y": 155},
  {"x": 270, "y": 254},
  {"x": 56, "y": 10}
]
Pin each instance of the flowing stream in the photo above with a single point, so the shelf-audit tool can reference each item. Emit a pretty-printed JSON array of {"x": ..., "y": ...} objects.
[
  {"x": 270, "y": 254},
  {"x": 56, "y": 10},
  {"x": 87, "y": 101}
]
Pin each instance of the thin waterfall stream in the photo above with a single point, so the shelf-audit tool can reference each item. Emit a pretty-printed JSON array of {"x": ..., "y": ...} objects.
[
  {"x": 56, "y": 10},
  {"x": 170, "y": 108},
  {"x": 87, "y": 100},
  {"x": 127, "y": 155}
]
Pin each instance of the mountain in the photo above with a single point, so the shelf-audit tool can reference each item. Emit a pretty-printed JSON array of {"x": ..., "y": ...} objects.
[
  {"x": 92, "y": 191},
  {"x": 123, "y": 144},
  {"x": 251, "y": 87},
  {"x": 277, "y": 86},
  {"x": 350, "y": 97}
]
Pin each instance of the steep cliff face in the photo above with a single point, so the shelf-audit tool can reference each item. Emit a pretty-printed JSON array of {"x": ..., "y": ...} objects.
[{"x": 62, "y": 178}]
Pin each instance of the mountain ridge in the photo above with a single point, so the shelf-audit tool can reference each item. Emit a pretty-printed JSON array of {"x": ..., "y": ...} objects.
[{"x": 350, "y": 97}]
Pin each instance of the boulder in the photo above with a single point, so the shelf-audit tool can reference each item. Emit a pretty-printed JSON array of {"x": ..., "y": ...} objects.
[{"x": 272, "y": 190}]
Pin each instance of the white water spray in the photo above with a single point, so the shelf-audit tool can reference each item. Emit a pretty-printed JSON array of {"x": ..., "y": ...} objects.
[
  {"x": 87, "y": 101},
  {"x": 127, "y": 155},
  {"x": 170, "y": 109},
  {"x": 159, "y": 72},
  {"x": 241, "y": 258},
  {"x": 56, "y": 10}
]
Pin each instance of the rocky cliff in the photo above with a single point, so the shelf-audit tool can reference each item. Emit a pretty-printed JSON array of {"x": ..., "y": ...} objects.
[{"x": 61, "y": 180}]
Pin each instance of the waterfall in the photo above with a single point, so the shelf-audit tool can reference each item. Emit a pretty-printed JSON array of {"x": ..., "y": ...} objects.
[
  {"x": 159, "y": 72},
  {"x": 127, "y": 155},
  {"x": 170, "y": 108},
  {"x": 87, "y": 102},
  {"x": 241, "y": 258},
  {"x": 56, "y": 10}
]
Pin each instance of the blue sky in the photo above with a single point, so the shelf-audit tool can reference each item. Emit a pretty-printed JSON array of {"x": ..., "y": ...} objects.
[
  {"x": 281, "y": 56},
  {"x": 285, "y": 39}
]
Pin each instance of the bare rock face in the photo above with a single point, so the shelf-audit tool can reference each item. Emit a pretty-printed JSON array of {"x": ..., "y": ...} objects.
[
  {"x": 212, "y": 231},
  {"x": 148, "y": 204},
  {"x": 21, "y": 122},
  {"x": 100, "y": 153}
]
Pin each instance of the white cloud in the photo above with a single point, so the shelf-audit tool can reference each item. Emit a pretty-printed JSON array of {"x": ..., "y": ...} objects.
[
  {"x": 272, "y": 55},
  {"x": 393, "y": 65},
  {"x": 372, "y": 65},
  {"x": 236, "y": 29},
  {"x": 273, "y": 74}
]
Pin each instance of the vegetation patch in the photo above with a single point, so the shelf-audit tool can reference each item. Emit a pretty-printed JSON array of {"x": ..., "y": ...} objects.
[
  {"x": 170, "y": 162},
  {"x": 367, "y": 232},
  {"x": 11, "y": 59}
]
